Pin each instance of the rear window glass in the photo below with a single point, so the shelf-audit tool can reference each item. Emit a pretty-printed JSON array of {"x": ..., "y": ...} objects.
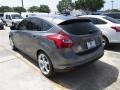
[
  {"x": 79, "y": 28},
  {"x": 112, "y": 20}
]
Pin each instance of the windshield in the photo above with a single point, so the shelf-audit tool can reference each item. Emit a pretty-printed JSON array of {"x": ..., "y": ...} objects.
[
  {"x": 16, "y": 16},
  {"x": 112, "y": 20}
]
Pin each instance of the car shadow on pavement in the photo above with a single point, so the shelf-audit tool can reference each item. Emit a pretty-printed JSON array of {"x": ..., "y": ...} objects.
[
  {"x": 114, "y": 47},
  {"x": 97, "y": 76}
]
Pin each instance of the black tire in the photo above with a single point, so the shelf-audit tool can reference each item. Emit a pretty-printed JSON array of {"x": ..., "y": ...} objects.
[
  {"x": 12, "y": 44},
  {"x": 105, "y": 42},
  {"x": 2, "y": 27},
  {"x": 51, "y": 69},
  {"x": 6, "y": 24}
]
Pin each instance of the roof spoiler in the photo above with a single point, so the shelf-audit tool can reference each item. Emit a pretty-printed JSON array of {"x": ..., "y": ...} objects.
[{"x": 74, "y": 20}]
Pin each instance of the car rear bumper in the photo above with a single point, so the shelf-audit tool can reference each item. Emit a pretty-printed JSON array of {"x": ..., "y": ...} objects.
[{"x": 66, "y": 63}]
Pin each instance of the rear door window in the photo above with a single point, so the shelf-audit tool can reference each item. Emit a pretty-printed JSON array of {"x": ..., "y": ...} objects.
[
  {"x": 97, "y": 21},
  {"x": 37, "y": 24},
  {"x": 46, "y": 26},
  {"x": 79, "y": 28}
]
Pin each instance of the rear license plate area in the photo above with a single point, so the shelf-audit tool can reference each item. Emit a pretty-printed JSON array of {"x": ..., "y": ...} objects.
[{"x": 91, "y": 44}]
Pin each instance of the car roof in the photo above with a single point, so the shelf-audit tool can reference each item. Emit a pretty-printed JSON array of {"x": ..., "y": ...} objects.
[
  {"x": 56, "y": 19},
  {"x": 97, "y": 16}
]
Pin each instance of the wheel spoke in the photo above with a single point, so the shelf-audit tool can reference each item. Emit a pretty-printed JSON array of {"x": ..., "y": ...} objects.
[
  {"x": 46, "y": 62},
  {"x": 40, "y": 61},
  {"x": 46, "y": 68},
  {"x": 42, "y": 68}
]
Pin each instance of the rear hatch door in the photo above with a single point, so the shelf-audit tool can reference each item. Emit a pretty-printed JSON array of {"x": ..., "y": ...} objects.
[{"x": 83, "y": 33}]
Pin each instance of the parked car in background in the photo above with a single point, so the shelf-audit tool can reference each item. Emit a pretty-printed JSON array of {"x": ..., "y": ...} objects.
[
  {"x": 11, "y": 18},
  {"x": 115, "y": 15},
  {"x": 110, "y": 28},
  {"x": 1, "y": 21},
  {"x": 95, "y": 13},
  {"x": 29, "y": 14},
  {"x": 57, "y": 43}
]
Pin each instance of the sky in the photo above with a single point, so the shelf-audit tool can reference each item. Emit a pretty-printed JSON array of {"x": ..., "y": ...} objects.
[{"x": 51, "y": 3}]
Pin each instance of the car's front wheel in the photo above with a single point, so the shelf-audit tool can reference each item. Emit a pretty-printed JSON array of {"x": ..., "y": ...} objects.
[{"x": 45, "y": 64}]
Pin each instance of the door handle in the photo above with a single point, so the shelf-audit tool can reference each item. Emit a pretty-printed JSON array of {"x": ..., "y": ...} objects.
[{"x": 34, "y": 36}]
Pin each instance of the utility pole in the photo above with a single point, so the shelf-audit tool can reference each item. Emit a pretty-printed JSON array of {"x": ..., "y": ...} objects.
[
  {"x": 112, "y": 3},
  {"x": 22, "y": 3}
]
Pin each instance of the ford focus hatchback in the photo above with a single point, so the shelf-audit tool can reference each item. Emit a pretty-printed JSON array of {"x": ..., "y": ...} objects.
[{"x": 57, "y": 43}]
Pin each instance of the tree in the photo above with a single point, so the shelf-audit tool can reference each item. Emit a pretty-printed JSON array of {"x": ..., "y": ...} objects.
[
  {"x": 19, "y": 9},
  {"x": 44, "y": 8},
  {"x": 33, "y": 9},
  {"x": 89, "y": 5},
  {"x": 65, "y": 5},
  {"x": 5, "y": 9}
]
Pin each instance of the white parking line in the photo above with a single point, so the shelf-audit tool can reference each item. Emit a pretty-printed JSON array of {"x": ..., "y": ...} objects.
[{"x": 7, "y": 58}]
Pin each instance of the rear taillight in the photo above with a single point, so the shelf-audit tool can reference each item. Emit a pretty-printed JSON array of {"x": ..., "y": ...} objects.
[
  {"x": 116, "y": 28},
  {"x": 61, "y": 40}
]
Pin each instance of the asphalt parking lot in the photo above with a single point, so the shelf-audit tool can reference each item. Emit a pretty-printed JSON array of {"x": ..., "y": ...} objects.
[{"x": 19, "y": 72}]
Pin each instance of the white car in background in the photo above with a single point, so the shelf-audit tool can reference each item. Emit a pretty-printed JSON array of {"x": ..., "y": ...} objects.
[
  {"x": 29, "y": 14},
  {"x": 11, "y": 18},
  {"x": 110, "y": 28}
]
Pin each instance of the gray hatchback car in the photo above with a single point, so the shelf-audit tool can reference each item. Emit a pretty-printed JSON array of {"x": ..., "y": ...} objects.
[{"x": 58, "y": 43}]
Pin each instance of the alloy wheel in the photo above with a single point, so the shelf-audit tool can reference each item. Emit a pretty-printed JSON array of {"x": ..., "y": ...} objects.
[{"x": 44, "y": 64}]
